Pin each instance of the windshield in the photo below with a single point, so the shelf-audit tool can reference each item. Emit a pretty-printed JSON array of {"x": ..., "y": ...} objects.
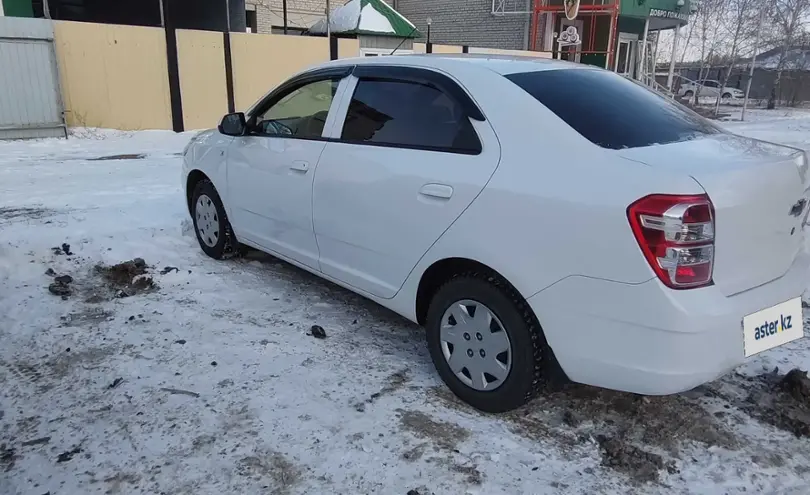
[{"x": 612, "y": 111}]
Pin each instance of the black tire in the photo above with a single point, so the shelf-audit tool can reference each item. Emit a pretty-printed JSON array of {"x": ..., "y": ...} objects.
[
  {"x": 726, "y": 96},
  {"x": 689, "y": 94},
  {"x": 225, "y": 239},
  {"x": 530, "y": 352}
]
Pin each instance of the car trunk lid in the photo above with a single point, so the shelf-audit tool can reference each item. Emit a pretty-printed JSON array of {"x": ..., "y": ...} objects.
[{"x": 760, "y": 193}]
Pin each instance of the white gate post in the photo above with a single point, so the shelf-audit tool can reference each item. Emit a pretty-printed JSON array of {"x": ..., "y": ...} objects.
[{"x": 672, "y": 58}]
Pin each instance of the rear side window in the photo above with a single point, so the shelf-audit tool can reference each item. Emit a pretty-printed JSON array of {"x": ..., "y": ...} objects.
[
  {"x": 409, "y": 115},
  {"x": 611, "y": 111}
]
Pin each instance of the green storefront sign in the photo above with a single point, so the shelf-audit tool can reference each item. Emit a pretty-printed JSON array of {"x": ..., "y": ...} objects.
[
  {"x": 669, "y": 14},
  {"x": 17, "y": 8}
]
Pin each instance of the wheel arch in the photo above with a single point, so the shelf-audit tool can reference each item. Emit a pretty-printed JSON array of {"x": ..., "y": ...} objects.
[
  {"x": 194, "y": 177},
  {"x": 438, "y": 273}
]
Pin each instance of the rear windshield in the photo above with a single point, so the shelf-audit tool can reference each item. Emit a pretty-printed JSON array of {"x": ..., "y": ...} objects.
[{"x": 611, "y": 111}]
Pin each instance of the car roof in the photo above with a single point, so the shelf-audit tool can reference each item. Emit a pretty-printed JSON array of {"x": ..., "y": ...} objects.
[{"x": 501, "y": 64}]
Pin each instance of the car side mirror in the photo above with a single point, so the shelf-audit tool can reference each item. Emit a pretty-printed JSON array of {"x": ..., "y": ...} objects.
[{"x": 233, "y": 124}]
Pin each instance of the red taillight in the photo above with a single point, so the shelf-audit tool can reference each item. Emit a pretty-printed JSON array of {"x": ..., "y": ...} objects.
[{"x": 676, "y": 235}]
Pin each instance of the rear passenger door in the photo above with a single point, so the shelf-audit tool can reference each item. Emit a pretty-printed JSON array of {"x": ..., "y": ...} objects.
[
  {"x": 710, "y": 88},
  {"x": 411, "y": 154}
]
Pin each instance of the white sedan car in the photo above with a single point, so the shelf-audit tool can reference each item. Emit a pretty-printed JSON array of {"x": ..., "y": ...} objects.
[
  {"x": 711, "y": 89},
  {"x": 535, "y": 216}
]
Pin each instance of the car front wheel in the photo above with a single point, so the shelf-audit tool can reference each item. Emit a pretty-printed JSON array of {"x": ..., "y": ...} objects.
[
  {"x": 210, "y": 221},
  {"x": 485, "y": 342}
]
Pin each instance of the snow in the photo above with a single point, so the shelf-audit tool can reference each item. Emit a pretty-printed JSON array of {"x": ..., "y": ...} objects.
[
  {"x": 371, "y": 20},
  {"x": 343, "y": 19},
  {"x": 795, "y": 59},
  {"x": 279, "y": 411},
  {"x": 789, "y": 126}
]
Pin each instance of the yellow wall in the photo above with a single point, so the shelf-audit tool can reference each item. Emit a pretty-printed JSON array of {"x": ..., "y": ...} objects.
[
  {"x": 519, "y": 53},
  {"x": 116, "y": 76},
  {"x": 262, "y": 61},
  {"x": 446, "y": 49},
  {"x": 113, "y": 76},
  {"x": 201, "y": 62},
  {"x": 348, "y": 47}
]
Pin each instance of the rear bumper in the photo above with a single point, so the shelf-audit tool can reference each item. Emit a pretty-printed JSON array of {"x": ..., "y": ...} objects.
[{"x": 649, "y": 339}]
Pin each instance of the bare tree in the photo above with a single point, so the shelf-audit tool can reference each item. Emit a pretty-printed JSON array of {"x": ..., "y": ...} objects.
[
  {"x": 687, "y": 44},
  {"x": 739, "y": 25},
  {"x": 789, "y": 18},
  {"x": 707, "y": 26}
]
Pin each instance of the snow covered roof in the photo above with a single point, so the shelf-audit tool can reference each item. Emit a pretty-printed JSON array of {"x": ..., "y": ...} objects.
[
  {"x": 373, "y": 17},
  {"x": 796, "y": 58}
]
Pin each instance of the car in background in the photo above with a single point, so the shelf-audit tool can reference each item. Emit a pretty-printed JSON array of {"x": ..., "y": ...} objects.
[
  {"x": 709, "y": 88},
  {"x": 539, "y": 218}
]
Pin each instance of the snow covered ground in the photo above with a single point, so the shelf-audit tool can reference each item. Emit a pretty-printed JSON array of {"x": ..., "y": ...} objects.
[{"x": 210, "y": 383}]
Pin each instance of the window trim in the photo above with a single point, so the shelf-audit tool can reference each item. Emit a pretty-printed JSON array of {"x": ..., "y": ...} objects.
[
  {"x": 334, "y": 73},
  {"x": 707, "y": 126},
  {"x": 422, "y": 75},
  {"x": 350, "y": 75},
  {"x": 343, "y": 110},
  {"x": 285, "y": 89}
]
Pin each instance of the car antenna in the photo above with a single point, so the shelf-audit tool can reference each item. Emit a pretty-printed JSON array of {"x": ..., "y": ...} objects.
[{"x": 403, "y": 40}]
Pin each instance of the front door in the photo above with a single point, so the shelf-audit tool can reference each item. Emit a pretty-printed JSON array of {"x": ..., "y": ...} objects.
[
  {"x": 270, "y": 171},
  {"x": 405, "y": 162},
  {"x": 626, "y": 54}
]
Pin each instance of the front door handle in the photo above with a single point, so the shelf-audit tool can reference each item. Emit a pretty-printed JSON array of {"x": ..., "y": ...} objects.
[
  {"x": 440, "y": 191},
  {"x": 300, "y": 166}
]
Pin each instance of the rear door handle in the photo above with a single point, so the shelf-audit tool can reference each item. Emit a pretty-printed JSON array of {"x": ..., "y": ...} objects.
[
  {"x": 300, "y": 166},
  {"x": 440, "y": 191}
]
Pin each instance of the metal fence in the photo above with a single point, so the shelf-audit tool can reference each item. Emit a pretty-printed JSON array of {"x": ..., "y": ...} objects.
[{"x": 30, "y": 100}]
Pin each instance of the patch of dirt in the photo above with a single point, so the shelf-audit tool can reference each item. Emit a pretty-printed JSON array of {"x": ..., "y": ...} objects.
[
  {"x": 25, "y": 213},
  {"x": 782, "y": 401},
  {"x": 24, "y": 372},
  {"x": 663, "y": 422},
  {"x": 634, "y": 426},
  {"x": 415, "y": 453},
  {"x": 89, "y": 317},
  {"x": 274, "y": 466},
  {"x": 640, "y": 465},
  {"x": 444, "y": 435},
  {"x": 8, "y": 457},
  {"x": 63, "y": 363},
  {"x": 394, "y": 382},
  {"x": 473, "y": 475},
  {"x": 119, "y": 157},
  {"x": 69, "y": 454},
  {"x": 128, "y": 278},
  {"x": 119, "y": 481}
]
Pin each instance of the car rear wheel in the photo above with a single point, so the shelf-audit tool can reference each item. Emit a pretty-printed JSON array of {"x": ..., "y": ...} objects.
[
  {"x": 210, "y": 221},
  {"x": 485, "y": 342}
]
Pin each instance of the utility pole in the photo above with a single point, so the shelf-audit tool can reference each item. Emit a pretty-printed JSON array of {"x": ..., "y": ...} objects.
[
  {"x": 671, "y": 74},
  {"x": 162, "y": 14},
  {"x": 641, "y": 68},
  {"x": 228, "y": 15},
  {"x": 753, "y": 63},
  {"x": 46, "y": 9},
  {"x": 328, "y": 24},
  {"x": 284, "y": 9}
]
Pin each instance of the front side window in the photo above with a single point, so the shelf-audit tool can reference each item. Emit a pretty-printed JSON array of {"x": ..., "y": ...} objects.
[
  {"x": 410, "y": 115},
  {"x": 611, "y": 111},
  {"x": 300, "y": 113}
]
